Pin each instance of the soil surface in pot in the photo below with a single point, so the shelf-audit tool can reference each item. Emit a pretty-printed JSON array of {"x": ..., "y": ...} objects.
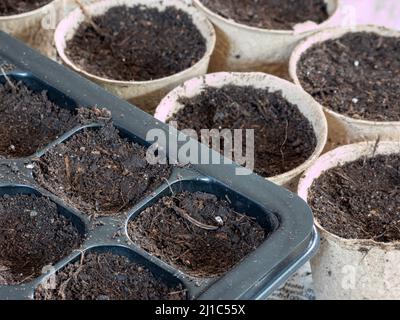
[
  {"x": 284, "y": 138},
  {"x": 11, "y": 7},
  {"x": 270, "y": 14},
  {"x": 108, "y": 276},
  {"x": 357, "y": 75},
  {"x": 33, "y": 236},
  {"x": 360, "y": 200},
  {"x": 137, "y": 43},
  {"x": 99, "y": 172},
  {"x": 197, "y": 233},
  {"x": 29, "y": 120}
]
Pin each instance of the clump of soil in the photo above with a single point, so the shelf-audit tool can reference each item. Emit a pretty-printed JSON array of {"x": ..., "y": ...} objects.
[
  {"x": 360, "y": 200},
  {"x": 29, "y": 120},
  {"x": 137, "y": 43},
  {"x": 108, "y": 277},
  {"x": 11, "y": 7},
  {"x": 99, "y": 172},
  {"x": 284, "y": 138},
  {"x": 270, "y": 14},
  {"x": 197, "y": 233},
  {"x": 357, "y": 75},
  {"x": 33, "y": 235}
]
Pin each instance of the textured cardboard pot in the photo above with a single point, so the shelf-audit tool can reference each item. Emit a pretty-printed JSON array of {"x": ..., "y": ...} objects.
[
  {"x": 352, "y": 269},
  {"x": 306, "y": 104},
  {"x": 244, "y": 48},
  {"x": 36, "y": 28},
  {"x": 343, "y": 129},
  {"x": 145, "y": 94},
  {"x": 379, "y": 12}
]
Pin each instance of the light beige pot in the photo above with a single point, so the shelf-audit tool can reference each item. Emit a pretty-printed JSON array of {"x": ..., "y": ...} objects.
[
  {"x": 244, "y": 48},
  {"x": 36, "y": 28},
  {"x": 352, "y": 269},
  {"x": 145, "y": 94},
  {"x": 306, "y": 104},
  {"x": 343, "y": 129}
]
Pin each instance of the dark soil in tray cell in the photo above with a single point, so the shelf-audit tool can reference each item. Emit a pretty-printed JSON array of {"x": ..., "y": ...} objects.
[
  {"x": 99, "y": 172},
  {"x": 360, "y": 200},
  {"x": 29, "y": 121},
  {"x": 270, "y": 14},
  {"x": 32, "y": 236},
  {"x": 357, "y": 75},
  {"x": 11, "y": 7},
  {"x": 108, "y": 277},
  {"x": 137, "y": 43},
  {"x": 197, "y": 233},
  {"x": 284, "y": 138}
]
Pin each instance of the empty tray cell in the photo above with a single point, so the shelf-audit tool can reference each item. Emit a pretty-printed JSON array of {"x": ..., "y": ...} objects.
[
  {"x": 32, "y": 115},
  {"x": 111, "y": 273},
  {"x": 201, "y": 227},
  {"x": 100, "y": 171},
  {"x": 35, "y": 233}
]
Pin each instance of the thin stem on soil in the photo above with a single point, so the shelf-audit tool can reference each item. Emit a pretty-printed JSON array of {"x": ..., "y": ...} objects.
[
  {"x": 376, "y": 146},
  {"x": 90, "y": 20},
  {"x": 198, "y": 224},
  {"x": 284, "y": 142},
  {"x": 169, "y": 186},
  {"x": 7, "y": 78},
  {"x": 67, "y": 167},
  {"x": 63, "y": 286}
]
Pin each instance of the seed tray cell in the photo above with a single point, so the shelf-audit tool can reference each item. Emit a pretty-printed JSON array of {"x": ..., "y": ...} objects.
[{"x": 292, "y": 238}]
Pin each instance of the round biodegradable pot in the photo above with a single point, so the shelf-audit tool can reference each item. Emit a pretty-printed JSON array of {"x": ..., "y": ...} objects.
[
  {"x": 352, "y": 269},
  {"x": 36, "y": 27},
  {"x": 244, "y": 48},
  {"x": 145, "y": 94},
  {"x": 306, "y": 104},
  {"x": 343, "y": 129}
]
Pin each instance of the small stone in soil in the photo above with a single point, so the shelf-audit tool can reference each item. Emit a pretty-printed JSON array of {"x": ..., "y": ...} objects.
[
  {"x": 99, "y": 173},
  {"x": 108, "y": 277},
  {"x": 33, "y": 235},
  {"x": 360, "y": 200},
  {"x": 137, "y": 43},
  {"x": 284, "y": 138},
  {"x": 357, "y": 75},
  {"x": 183, "y": 230},
  {"x": 270, "y": 14}
]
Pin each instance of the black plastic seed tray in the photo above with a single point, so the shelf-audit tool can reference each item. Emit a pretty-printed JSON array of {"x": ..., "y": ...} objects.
[{"x": 292, "y": 241}]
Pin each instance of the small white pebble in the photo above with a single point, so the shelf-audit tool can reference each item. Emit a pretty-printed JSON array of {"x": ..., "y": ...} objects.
[
  {"x": 30, "y": 166},
  {"x": 33, "y": 213},
  {"x": 355, "y": 100},
  {"x": 356, "y": 63},
  {"x": 219, "y": 220}
]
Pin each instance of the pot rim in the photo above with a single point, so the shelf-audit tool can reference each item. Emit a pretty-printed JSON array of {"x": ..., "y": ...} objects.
[
  {"x": 230, "y": 76},
  {"x": 337, "y": 157},
  {"x": 28, "y": 14},
  {"x": 233, "y": 23},
  {"x": 336, "y": 33},
  {"x": 60, "y": 34}
]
